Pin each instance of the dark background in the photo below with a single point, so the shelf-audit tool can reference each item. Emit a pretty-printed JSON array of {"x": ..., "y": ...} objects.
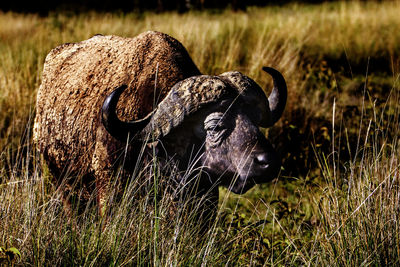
[{"x": 43, "y": 7}]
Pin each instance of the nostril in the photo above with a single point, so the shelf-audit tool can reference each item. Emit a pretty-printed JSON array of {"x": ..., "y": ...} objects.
[{"x": 261, "y": 159}]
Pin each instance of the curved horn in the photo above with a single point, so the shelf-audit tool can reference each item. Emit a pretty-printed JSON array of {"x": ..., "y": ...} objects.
[
  {"x": 266, "y": 111},
  {"x": 278, "y": 96},
  {"x": 185, "y": 98},
  {"x": 254, "y": 97},
  {"x": 117, "y": 128}
]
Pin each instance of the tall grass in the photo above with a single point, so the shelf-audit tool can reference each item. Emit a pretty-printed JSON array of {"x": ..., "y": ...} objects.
[
  {"x": 336, "y": 201},
  {"x": 360, "y": 206}
]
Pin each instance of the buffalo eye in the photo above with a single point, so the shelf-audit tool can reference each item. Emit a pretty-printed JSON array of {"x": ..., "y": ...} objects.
[{"x": 215, "y": 128}]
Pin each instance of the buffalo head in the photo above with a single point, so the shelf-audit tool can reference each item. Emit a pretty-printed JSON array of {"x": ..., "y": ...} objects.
[{"x": 218, "y": 116}]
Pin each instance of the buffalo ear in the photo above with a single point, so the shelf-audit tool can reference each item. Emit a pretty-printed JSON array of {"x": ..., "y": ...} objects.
[
  {"x": 199, "y": 131},
  {"x": 198, "y": 125}
]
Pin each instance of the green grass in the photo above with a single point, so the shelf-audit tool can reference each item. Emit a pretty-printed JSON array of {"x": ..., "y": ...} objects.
[{"x": 336, "y": 201}]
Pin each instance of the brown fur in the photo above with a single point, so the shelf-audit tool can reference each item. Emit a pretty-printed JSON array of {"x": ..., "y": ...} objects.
[{"x": 76, "y": 79}]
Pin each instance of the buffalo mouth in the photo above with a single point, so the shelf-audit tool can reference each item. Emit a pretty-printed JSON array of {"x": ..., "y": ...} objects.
[
  {"x": 241, "y": 187},
  {"x": 244, "y": 184}
]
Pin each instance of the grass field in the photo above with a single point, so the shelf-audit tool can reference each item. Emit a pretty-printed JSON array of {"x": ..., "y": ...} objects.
[{"x": 337, "y": 199}]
